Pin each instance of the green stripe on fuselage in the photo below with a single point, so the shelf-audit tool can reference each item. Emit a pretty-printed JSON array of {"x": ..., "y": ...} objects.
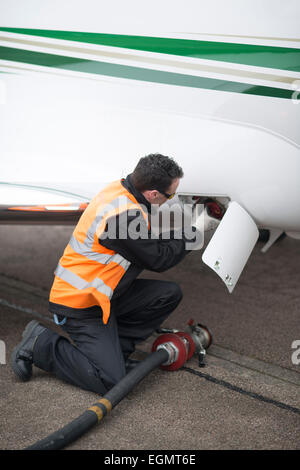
[
  {"x": 284, "y": 58},
  {"x": 137, "y": 73}
]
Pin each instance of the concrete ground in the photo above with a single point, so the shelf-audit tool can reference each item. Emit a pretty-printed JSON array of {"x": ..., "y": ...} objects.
[{"x": 247, "y": 396}]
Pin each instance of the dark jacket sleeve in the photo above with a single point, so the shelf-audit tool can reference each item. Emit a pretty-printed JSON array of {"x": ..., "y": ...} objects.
[{"x": 154, "y": 254}]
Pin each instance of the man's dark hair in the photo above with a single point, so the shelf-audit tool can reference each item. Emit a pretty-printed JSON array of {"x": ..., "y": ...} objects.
[{"x": 155, "y": 171}]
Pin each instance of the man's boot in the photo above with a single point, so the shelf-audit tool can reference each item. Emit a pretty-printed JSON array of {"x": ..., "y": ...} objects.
[{"x": 22, "y": 355}]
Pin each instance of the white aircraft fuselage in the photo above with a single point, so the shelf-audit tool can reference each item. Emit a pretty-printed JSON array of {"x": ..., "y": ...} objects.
[{"x": 86, "y": 89}]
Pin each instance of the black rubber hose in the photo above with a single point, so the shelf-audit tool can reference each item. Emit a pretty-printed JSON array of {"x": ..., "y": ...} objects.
[{"x": 79, "y": 426}]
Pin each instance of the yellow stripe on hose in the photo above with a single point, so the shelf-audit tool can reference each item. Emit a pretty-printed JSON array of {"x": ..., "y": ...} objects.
[
  {"x": 106, "y": 403},
  {"x": 96, "y": 409}
]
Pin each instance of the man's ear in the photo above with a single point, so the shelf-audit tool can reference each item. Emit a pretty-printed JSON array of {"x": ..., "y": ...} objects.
[{"x": 150, "y": 193}]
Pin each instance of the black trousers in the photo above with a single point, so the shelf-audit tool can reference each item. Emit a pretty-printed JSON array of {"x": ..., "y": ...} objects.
[{"x": 97, "y": 361}]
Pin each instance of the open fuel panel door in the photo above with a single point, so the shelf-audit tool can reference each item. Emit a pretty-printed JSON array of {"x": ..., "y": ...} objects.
[{"x": 231, "y": 245}]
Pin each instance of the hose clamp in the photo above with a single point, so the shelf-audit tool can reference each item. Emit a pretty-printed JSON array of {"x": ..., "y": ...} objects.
[{"x": 172, "y": 351}]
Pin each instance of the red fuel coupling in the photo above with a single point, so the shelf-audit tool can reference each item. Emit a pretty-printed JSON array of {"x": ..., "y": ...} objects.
[
  {"x": 182, "y": 345},
  {"x": 175, "y": 346}
]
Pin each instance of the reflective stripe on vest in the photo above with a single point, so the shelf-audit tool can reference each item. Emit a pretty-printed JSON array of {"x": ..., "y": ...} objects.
[
  {"x": 88, "y": 273},
  {"x": 102, "y": 258},
  {"x": 79, "y": 283}
]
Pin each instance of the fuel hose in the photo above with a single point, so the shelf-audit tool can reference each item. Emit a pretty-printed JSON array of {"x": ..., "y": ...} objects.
[{"x": 94, "y": 414}]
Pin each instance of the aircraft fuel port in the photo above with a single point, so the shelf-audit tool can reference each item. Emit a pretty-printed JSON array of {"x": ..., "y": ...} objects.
[{"x": 170, "y": 351}]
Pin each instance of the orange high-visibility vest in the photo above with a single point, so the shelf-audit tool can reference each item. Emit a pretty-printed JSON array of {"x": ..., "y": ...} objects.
[{"x": 88, "y": 273}]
